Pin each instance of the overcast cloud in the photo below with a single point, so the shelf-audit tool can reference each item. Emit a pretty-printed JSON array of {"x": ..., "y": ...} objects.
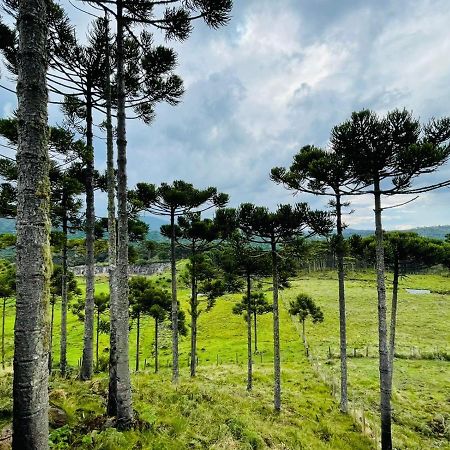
[{"x": 279, "y": 77}]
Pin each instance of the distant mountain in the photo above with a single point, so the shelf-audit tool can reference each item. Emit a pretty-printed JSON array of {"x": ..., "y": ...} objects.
[
  {"x": 154, "y": 223},
  {"x": 435, "y": 232}
]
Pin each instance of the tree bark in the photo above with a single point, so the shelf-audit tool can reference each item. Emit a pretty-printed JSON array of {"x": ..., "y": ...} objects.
[
  {"x": 50, "y": 347},
  {"x": 64, "y": 302},
  {"x": 124, "y": 405},
  {"x": 138, "y": 329},
  {"x": 112, "y": 247},
  {"x": 33, "y": 257},
  {"x": 88, "y": 337},
  {"x": 156, "y": 346},
  {"x": 194, "y": 315},
  {"x": 276, "y": 330},
  {"x": 393, "y": 319},
  {"x": 173, "y": 267},
  {"x": 385, "y": 393},
  {"x": 342, "y": 313},
  {"x": 3, "y": 332},
  {"x": 249, "y": 334}
]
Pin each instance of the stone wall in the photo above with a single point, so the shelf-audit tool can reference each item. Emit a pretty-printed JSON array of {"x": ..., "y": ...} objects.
[{"x": 149, "y": 269}]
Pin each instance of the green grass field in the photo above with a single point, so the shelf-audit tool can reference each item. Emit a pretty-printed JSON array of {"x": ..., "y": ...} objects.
[
  {"x": 421, "y": 400},
  {"x": 215, "y": 411}
]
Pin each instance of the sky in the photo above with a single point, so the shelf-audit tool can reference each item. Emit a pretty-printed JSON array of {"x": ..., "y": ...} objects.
[{"x": 280, "y": 76}]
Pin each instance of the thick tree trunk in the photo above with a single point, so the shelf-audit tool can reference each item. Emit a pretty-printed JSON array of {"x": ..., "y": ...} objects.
[
  {"x": 124, "y": 405},
  {"x": 33, "y": 257},
  {"x": 194, "y": 315},
  {"x": 385, "y": 393},
  {"x": 393, "y": 319},
  {"x": 64, "y": 299},
  {"x": 3, "y": 332},
  {"x": 276, "y": 331},
  {"x": 249, "y": 334},
  {"x": 173, "y": 267},
  {"x": 138, "y": 332},
  {"x": 112, "y": 236},
  {"x": 88, "y": 337},
  {"x": 156, "y": 346},
  {"x": 50, "y": 347},
  {"x": 342, "y": 314},
  {"x": 255, "y": 325}
]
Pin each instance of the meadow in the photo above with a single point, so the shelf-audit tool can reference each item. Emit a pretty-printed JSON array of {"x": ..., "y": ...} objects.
[{"x": 215, "y": 411}]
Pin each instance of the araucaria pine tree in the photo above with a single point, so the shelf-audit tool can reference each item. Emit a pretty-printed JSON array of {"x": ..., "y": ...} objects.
[
  {"x": 199, "y": 236},
  {"x": 174, "y": 200},
  {"x": 386, "y": 154},
  {"x": 319, "y": 172},
  {"x": 275, "y": 229},
  {"x": 30, "y": 385}
]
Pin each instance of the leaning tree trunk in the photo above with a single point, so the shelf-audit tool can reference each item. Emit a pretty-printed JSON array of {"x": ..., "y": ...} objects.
[
  {"x": 64, "y": 299},
  {"x": 112, "y": 247},
  {"x": 123, "y": 393},
  {"x": 138, "y": 332},
  {"x": 249, "y": 334},
  {"x": 276, "y": 331},
  {"x": 342, "y": 314},
  {"x": 393, "y": 319},
  {"x": 50, "y": 347},
  {"x": 194, "y": 316},
  {"x": 88, "y": 337},
  {"x": 3, "y": 332},
  {"x": 385, "y": 392},
  {"x": 156, "y": 346},
  {"x": 173, "y": 267},
  {"x": 33, "y": 257}
]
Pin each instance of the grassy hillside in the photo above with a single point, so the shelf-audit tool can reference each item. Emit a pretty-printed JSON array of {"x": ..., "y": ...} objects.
[
  {"x": 214, "y": 411},
  {"x": 421, "y": 401}
]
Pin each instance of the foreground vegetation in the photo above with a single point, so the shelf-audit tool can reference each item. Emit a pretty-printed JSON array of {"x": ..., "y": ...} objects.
[{"x": 175, "y": 417}]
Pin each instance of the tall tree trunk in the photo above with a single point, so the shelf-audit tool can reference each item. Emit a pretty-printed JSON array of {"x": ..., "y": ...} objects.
[
  {"x": 88, "y": 337},
  {"x": 173, "y": 267},
  {"x": 3, "y": 332},
  {"x": 276, "y": 330},
  {"x": 194, "y": 315},
  {"x": 138, "y": 330},
  {"x": 33, "y": 257},
  {"x": 156, "y": 346},
  {"x": 97, "y": 339},
  {"x": 124, "y": 405},
  {"x": 112, "y": 236},
  {"x": 385, "y": 393},
  {"x": 255, "y": 325},
  {"x": 50, "y": 347},
  {"x": 393, "y": 318},
  {"x": 64, "y": 302},
  {"x": 303, "y": 331},
  {"x": 249, "y": 334},
  {"x": 342, "y": 314}
]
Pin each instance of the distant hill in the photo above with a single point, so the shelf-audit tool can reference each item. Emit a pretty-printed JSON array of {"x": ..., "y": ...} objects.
[
  {"x": 154, "y": 223},
  {"x": 435, "y": 232}
]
